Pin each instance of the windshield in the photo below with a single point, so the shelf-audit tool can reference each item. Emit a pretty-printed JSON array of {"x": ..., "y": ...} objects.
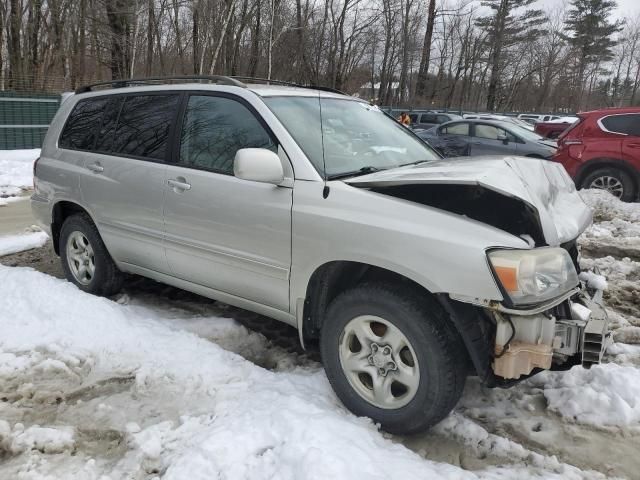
[{"x": 357, "y": 137}]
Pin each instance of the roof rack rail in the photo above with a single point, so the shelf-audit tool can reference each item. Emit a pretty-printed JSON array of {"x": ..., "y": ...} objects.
[
  {"x": 288, "y": 84},
  {"x": 221, "y": 79}
]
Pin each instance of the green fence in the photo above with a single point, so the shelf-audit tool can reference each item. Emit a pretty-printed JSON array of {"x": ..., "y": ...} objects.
[{"x": 24, "y": 118}]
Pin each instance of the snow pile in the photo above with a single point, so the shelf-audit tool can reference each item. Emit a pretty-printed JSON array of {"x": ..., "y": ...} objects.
[
  {"x": 616, "y": 227},
  {"x": 18, "y": 243},
  {"x": 607, "y": 394},
  {"x": 43, "y": 439},
  {"x": 224, "y": 416},
  {"x": 16, "y": 171}
]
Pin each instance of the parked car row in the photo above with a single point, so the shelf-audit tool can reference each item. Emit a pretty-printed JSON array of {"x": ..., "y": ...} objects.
[{"x": 599, "y": 149}]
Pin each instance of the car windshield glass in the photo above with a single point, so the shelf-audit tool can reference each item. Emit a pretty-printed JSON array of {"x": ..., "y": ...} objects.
[{"x": 356, "y": 138}]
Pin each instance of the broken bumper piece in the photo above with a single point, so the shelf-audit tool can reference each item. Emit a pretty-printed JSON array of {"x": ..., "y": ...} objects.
[{"x": 573, "y": 332}]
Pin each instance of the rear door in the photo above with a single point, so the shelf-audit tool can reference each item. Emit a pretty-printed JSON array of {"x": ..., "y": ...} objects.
[
  {"x": 490, "y": 139},
  {"x": 222, "y": 232},
  {"x": 123, "y": 172},
  {"x": 627, "y": 128},
  {"x": 455, "y": 139}
]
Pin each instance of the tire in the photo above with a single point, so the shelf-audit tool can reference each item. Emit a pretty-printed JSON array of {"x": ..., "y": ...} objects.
[
  {"x": 77, "y": 233},
  {"x": 622, "y": 185},
  {"x": 433, "y": 346}
]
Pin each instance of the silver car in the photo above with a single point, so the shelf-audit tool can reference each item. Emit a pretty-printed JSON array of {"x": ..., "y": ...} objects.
[{"x": 314, "y": 208}]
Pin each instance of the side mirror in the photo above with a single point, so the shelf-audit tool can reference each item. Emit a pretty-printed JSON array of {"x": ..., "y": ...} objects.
[
  {"x": 503, "y": 138},
  {"x": 258, "y": 165}
]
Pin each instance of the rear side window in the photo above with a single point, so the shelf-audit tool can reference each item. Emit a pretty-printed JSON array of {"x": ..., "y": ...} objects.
[
  {"x": 143, "y": 126},
  {"x": 428, "y": 118},
  {"x": 214, "y": 129},
  {"x": 625, "y": 124},
  {"x": 82, "y": 126},
  {"x": 443, "y": 119},
  {"x": 107, "y": 130},
  {"x": 456, "y": 129}
]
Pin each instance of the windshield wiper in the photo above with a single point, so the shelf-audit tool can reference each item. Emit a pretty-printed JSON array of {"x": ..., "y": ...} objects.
[{"x": 362, "y": 171}]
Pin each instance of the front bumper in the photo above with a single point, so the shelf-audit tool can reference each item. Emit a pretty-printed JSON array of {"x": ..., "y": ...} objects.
[{"x": 574, "y": 331}]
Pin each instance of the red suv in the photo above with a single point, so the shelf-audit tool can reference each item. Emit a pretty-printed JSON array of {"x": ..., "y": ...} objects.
[{"x": 602, "y": 150}]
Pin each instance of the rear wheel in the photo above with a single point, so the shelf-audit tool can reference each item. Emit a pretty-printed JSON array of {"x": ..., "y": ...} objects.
[
  {"x": 85, "y": 259},
  {"x": 391, "y": 355},
  {"x": 617, "y": 182}
]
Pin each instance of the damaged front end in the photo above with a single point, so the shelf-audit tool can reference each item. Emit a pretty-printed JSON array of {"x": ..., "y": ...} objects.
[
  {"x": 574, "y": 332},
  {"x": 547, "y": 318}
]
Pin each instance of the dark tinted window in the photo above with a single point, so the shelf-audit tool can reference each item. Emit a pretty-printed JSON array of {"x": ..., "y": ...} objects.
[
  {"x": 413, "y": 117},
  {"x": 214, "y": 129},
  {"x": 428, "y": 118},
  {"x": 82, "y": 126},
  {"x": 106, "y": 133},
  {"x": 143, "y": 126},
  {"x": 443, "y": 119},
  {"x": 627, "y": 124}
]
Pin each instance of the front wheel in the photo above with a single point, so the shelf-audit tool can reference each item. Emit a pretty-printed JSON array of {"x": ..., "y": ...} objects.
[{"x": 392, "y": 355}]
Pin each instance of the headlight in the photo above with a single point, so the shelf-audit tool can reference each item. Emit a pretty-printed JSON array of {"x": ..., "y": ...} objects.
[{"x": 533, "y": 276}]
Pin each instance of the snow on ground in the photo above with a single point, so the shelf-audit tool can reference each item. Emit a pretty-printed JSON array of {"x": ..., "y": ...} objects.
[
  {"x": 16, "y": 171},
  {"x": 181, "y": 406},
  {"x": 616, "y": 227},
  {"x": 18, "y": 243},
  {"x": 153, "y": 385}
]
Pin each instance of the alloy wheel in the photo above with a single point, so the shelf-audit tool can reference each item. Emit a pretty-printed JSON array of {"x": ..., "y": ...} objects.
[
  {"x": 379, "y": 362},
  {"x": 80, "y": 258},
  {"x": 611, "y": 184}
]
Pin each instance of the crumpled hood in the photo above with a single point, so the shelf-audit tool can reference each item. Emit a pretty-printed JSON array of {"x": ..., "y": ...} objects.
[{"x": 543, "y": 185}]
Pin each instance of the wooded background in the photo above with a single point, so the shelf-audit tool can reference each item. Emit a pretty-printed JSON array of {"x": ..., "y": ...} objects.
[{"x": 490, "y": 55}]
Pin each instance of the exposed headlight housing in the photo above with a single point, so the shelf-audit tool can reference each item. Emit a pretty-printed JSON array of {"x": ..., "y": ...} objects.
[{"x": 533, "y": 276}]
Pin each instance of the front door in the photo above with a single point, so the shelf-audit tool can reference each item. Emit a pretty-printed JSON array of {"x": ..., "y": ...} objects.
[{"x": 221, "y": 232}]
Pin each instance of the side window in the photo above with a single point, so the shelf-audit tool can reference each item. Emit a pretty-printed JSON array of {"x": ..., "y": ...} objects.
[
  {"x": 456, "y": 129},
  {"x": 491, "y": 132},
  {"x": 82, "y": 126},
  {"x": 107, "y": 131},
  {"x": 626, "y": 124},
  {"x": 413, "y": 117},
  {"x": 428, "y": 118},
  {"x": 443, "y": 119},
  {"x": 214, "y": 129},
  {"x": 143, "y": 126}
]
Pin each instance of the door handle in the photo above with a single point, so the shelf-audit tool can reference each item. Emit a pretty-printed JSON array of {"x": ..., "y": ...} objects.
[
  {"x": 179, "y": 184},
  {"x": 96, "y": 168}
]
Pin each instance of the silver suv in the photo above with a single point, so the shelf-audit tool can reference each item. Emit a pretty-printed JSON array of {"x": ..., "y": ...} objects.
[{"x": 314, "y": 208}]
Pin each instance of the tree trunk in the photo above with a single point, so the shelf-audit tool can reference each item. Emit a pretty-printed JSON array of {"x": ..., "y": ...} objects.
[{"x": 423, "y": 70}]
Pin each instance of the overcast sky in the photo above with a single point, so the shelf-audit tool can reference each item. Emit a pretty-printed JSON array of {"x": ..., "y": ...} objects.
[{"x": 626, "y": 8}]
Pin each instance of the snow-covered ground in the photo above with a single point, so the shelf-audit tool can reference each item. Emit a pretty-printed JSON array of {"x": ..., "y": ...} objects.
[
  {"x": 16, "y": 172},
  {"x": 146, "y": 385},
  {"x": 17, "y": 243}
]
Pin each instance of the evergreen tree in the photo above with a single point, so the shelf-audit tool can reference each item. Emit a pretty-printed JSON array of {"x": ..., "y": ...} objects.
[
  {"x": 505, "y": 28},
  {"x": 591, "y": 39}
]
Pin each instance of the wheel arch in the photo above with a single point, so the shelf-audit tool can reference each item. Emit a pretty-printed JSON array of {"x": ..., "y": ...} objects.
[
  {"x": 331, "y": 278},
  {"x": 62, "y": 210},
  {"x": 592, "y": 165}
]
